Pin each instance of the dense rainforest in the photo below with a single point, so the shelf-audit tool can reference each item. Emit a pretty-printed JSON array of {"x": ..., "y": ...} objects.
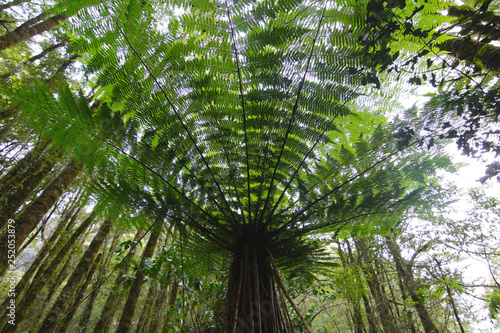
[{"x": 248, "y": 166}]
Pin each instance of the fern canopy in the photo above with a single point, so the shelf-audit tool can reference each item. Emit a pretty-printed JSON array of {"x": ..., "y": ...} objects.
[{"x": 246, "y": 120}]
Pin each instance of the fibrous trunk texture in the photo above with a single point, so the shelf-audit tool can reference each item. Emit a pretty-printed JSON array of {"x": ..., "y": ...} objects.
[{"x": 253, "y": 304}]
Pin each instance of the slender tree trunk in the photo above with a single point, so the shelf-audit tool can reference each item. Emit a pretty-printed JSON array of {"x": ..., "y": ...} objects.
[
  {"x": 30, "y": 28},
  {"x": 17, "y": 185},
  {"x": 108, "y": 310},
  {"x": 174, "y": 288},
  {"x": 158, "y": 310},
  {"x": 373, "y": 281},
  {"x": 31, "y": 216},
  {"x": 404, "y": 272},
  {"x": 32, "y": 59},
  {"x": 41, "y": 279},
  {"x": 84, "y": 321},
  {"x": 42, "y": 255},
  {"x": 353, "y": 297},
  {"x": 80, "y": 294},
  {"x": 128, "y": 311},
  {"x": 62, "y": 302},
  {"x": 146, "y": 311},
  {"x": 450, "y": 299}
]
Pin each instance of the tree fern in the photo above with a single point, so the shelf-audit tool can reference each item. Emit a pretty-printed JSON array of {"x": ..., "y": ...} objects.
[{"x": 245, "y": 121}]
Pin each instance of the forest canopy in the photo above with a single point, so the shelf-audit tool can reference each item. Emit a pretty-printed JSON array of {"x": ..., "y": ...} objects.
[{"x": 258, "y": 157}]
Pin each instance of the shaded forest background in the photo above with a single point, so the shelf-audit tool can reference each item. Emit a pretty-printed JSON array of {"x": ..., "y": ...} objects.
[{"x": 101, "y": 245}]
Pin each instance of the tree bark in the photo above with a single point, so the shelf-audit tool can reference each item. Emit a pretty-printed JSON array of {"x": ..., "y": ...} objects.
[
  {"x": 42, "y": 278},
  {"x": 22, "y": 179},
  {"x": 30, "y": 28},
  {"x": 80, "y": 294},
  {"x": 146, "y": 311},
  {"x": 32, "y": 59},
  {"x": 62, "y": 302},
  {"x": 406, "y": 275},
  {"x": 372, "y": 278},
  {"x": 84, "y": 320},
  {"x": 35, "y": 267},
  {"x": 488, "y": 17},
  {"x": 108, "y": 310},
  {"x": 157, "y": 309},
  {"x": 135, "y": 290},
  {"x": 252, "y": 301},
  {"x": 467, "y": 49},
  {"x": 29, "y": 218}
]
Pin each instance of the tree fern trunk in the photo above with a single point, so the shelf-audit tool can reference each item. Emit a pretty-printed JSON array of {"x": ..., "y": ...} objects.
[
  {"x": 108, "y": 309},
  {"x": 30, "y": 29},
  {"x": 158, "y": 309},
  {"x": 128, "y": 311},
  {"x": 252, "y": 300},
  {"x": 29, "y": 218},
  {"x": 61, "y": 304}
]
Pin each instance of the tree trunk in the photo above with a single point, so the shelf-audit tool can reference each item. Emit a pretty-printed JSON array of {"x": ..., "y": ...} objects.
[
  {"x": 146, "y": 311},
  {"x": 157, "y": 309},
  {"x": 353, "y": 298},
  {"x": 405, "y": 273},
  {"x": 29, "y": 218},
  {"x": 32, "y": 59},
  {"x": 108, "y": 310},
  {"x": 84, "y": 321},
  {"x": 174, "y": 288},
  {"x": 29, "y": 29},
  {"x": 373, "y": 281},
  {"x": 135, "y": 290},
  {"x": 450, "y": 298},
  {"x": 42, "y": 278},
  {"x": 22, "y": 179},
  {"x": 252, "y": 303},
  {"x": 467, "y": 49},
  {"x": 61, "y": 304},
  {"x": 42, "y": 255},
  {"x": 80, "y": 294}
]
